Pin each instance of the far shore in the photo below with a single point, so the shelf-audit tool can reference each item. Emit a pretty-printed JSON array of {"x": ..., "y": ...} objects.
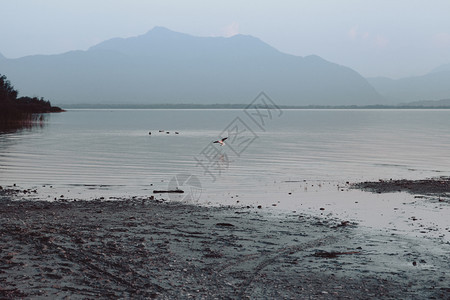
[
  {"x": 150, "y": 248},
  {"x": 243, "y": 106}
]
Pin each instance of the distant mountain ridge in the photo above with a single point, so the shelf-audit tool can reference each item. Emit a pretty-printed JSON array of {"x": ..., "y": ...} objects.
[
  {"x": 163, "y": 66},
  {"x": 162, "y": 41},
  {"x": 434, "y": 85},
  {"x": 445, "y": 67}
]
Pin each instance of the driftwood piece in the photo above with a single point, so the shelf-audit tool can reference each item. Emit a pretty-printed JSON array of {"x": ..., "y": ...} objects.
[{"x": 168, "y": 191}]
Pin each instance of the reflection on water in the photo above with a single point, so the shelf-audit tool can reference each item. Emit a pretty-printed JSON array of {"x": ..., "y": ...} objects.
[
  {"x": 81, "y": 148},
  {"x": 29, "y": 122}
]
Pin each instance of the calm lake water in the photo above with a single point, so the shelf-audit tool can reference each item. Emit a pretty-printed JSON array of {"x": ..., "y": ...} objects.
[
  {"x": 291, "y": 160},
  {"x": 89, "y": 152}
]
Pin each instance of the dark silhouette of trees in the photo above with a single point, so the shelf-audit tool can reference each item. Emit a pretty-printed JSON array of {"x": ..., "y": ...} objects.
[
  {"x": 7, "y": 91},
  {"x": 16, "y": 110}
]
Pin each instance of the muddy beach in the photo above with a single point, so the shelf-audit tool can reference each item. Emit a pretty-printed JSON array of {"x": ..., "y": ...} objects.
[
  {"x": 439, "y": 186},
  {"x": 149, "y": 248}
]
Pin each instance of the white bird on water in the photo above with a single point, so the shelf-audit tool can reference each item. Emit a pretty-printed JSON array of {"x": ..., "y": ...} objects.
[{"x": 221, "y": 142}]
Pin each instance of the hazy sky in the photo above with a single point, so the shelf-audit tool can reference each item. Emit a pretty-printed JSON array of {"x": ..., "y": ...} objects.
[{"x": 393, "y": 38}]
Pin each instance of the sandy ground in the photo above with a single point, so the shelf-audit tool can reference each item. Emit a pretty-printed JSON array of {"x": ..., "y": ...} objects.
[{"x": 142, "y": 248}]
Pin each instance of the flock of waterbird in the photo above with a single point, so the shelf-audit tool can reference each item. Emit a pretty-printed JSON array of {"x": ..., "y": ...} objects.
[
  {"x": 221, "y": 142},
  {"x": 163, "y": 131}
]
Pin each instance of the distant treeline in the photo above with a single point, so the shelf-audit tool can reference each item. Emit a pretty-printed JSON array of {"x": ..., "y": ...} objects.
[
  {"x": 243, "y": 106},
  {"x": 15, "y": 109}
]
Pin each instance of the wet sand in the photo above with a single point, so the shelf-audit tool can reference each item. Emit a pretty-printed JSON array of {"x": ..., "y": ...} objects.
[{"x": 144, "y": 248}]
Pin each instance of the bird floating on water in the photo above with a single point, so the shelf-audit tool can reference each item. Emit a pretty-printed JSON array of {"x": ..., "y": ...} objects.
[{"x": 221, "y": 142}]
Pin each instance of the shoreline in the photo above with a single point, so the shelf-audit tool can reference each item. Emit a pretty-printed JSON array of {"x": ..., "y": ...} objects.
[
  {"x": 152, "y": 249},
  {"x": 243, "y": 106}
]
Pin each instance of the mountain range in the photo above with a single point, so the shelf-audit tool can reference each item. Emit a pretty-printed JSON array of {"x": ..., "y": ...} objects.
[
  {"x": 432, "y": 86},
  {"x": 167, "y": 67}
]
